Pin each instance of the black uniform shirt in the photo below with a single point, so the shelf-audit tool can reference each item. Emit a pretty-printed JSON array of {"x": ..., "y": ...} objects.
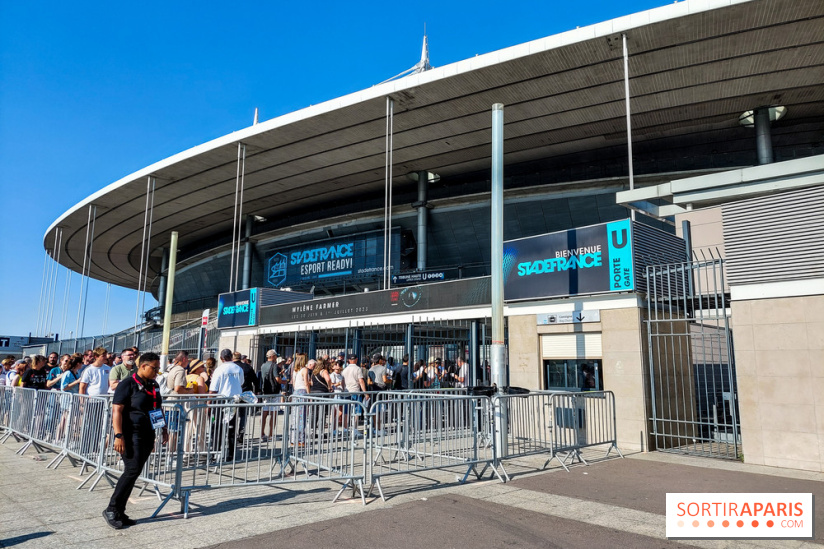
[{"x": 138, "y": 397}]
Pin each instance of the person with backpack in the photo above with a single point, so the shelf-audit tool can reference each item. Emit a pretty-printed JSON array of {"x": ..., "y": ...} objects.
[{"x": 270, "y": 384}]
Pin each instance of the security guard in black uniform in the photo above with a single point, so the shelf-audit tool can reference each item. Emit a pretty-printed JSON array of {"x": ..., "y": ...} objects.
[{"x": 136, "y": 413}]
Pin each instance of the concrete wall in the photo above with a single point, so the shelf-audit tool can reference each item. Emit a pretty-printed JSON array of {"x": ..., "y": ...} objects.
[
  {"x": 625, "y": 369},
  {"x": 626, "y": 374},
  {"x": 779, "y": 355},
  {"x": 240, "y": 343},
  {"x": 706, "y": 229}
]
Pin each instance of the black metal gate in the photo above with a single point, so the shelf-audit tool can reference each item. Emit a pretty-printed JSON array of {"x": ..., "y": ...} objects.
[
  {"x": 423, "y": 341},
  {"x": 693, "y": 391}
]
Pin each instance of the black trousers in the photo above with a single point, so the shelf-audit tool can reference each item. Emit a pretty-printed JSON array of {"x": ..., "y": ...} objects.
[
  {"x": 138, "y": 448},
  {"x": 220, "y": 429}
]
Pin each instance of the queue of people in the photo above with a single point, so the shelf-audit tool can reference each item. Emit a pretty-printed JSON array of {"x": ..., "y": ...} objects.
[{"x": 137, "y": 387}]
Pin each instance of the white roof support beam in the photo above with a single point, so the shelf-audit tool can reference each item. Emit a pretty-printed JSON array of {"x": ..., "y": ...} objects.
[{"x": 708, "y": 190}]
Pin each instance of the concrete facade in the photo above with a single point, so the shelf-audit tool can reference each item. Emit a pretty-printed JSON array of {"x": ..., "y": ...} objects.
[
  {"x": 624, "y": 359},
  {"x": 779, "y": 352}
]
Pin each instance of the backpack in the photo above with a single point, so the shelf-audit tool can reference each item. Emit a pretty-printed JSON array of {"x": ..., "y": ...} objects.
[{"x": 164, "y": 386}]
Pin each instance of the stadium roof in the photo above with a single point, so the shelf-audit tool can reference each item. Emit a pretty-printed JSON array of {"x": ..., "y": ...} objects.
[{"x": 694, "y": 67}]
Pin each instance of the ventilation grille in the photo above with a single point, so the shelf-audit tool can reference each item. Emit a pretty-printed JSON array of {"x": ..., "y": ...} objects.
[{"x": 775, "y": 238}]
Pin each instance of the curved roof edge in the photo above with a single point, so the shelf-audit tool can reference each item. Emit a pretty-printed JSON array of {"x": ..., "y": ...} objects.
[{"x": 581, "y": 34}]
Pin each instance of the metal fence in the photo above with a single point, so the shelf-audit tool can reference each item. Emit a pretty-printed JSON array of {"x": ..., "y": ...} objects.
[
  {"x": 423, "y": 340},
  {"x": 215, "y": 442},
  {"x": 180, "y": 339},
  {"x": 693, "y": 389},
  {"x": 556, "y": 424},
  {"x": 421, "y": 432}
]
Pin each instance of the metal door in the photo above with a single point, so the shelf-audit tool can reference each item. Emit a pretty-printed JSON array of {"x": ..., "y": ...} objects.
[{"x": 693, "y": 391}]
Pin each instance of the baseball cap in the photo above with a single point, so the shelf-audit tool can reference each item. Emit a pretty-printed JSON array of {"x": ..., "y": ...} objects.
[
  {"x": 377, "y": 357},
  {"x": 353, "y": 357},
  {"x": 271, "y": 352}
]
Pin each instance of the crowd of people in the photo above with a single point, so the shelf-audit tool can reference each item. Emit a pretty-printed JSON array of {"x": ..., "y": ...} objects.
[
  {"x": 137, "y": 386},
  {"x": 97, "y": 372}
]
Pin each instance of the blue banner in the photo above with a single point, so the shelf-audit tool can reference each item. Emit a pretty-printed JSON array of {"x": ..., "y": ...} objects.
[
  {"x": 587, "y": 260},
  {"x": 622, "y": 277}
]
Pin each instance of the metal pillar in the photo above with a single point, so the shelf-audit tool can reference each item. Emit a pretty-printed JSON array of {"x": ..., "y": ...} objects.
[
  {"x": 498, "y": 347},
  {"x": 387, "y": 203},
  {"x": 167, "y": 310},
  {"x": 629, "y": 119},
  {"x": 42, "y": 293},
  {"x": 357, "y": 341},
  {"x": 87, "y": 261},
  {"x": 66, "y": 295},
  {"x": 763, "y": 137},
  {"x": 473, "y": 352},
  {"x": 313, "y": 344},
  {"x": 234, "y": 260},
  {"x": 50, "y": 316},
  {"x": 346, "y": 344},
  {"x": 43, "y": 330},
  {"x": 686, "y": 234},
  {"x": 164, "y": 265},
  {"x": 484, "y": 357},
  {"x": 423, "y": 180},
  {"x": 145, "y": 251},
  {"x": 497, "y": 252},
  {"x": 106, "y": 307},
  {"x": 247, "y": 254},
  {"x": 409, "y": 345}
]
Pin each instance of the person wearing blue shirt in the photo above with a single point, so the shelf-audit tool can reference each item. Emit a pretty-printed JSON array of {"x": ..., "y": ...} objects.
[{"x": 53, "y": 378}]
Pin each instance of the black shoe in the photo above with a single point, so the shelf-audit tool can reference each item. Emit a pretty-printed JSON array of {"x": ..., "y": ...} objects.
[
  {"x": 124, "y": 518},
  {"x": 113, "y": 519}
]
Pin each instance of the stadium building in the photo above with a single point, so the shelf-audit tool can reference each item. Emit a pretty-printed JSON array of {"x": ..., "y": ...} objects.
[{"x": 362, "y": 224}]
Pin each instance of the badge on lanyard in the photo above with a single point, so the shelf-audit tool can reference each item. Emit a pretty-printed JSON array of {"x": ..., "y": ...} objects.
[
  {"x": 155, "y": 415},
  {"x": 157, "y": 419}
]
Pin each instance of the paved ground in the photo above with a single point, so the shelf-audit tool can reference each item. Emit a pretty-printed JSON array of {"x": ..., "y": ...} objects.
[{"x": 611, "y": 503}]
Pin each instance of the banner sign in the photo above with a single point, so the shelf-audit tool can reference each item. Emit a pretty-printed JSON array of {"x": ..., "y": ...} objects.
[
  {"x": 588, "y": 260},
  {"x": 571, "y": 317},
  {"x": 469, "y": 292},
  {"x": 357, "y": 258},
  {"x": 238, "y": 309},
  {"x": 419, "y": 278}
]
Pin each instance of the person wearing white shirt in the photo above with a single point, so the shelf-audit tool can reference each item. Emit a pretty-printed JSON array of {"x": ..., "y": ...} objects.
[
  {"x": 227, "y": 381},
  {"x": 95, "y": 378},
  {"x": 462, "y": 376}
]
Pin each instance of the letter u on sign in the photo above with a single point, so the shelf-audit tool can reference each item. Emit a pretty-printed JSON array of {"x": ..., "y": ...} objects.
[{"x": 621, "y": 273}]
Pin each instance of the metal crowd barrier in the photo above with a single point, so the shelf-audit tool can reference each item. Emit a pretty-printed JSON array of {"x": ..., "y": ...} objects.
[
  {"x": 80, "y": 430},
  {"x": 582, "y": 420},
  {"x": 218, "y": 448},
  {"x": 5, "y": 409},
  {"x": 559, "y": 424},
  {"x": 424, "y": 432},
  {"x": 214, "y": 442}
]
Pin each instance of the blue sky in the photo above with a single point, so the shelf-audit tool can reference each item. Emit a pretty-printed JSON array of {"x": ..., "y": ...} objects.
[{"x": 92, "y": 91}]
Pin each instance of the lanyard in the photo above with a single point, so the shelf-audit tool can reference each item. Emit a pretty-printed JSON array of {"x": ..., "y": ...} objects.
[{"x": 143, "y": 387}]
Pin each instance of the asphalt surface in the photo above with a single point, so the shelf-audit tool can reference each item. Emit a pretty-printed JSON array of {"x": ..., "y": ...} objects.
[
  {"x": 551, "y": 509},
  {"x": 643, "y": 485},
  {"x": 449, "y": 521},
  {"x": 612, "y": 503}
]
